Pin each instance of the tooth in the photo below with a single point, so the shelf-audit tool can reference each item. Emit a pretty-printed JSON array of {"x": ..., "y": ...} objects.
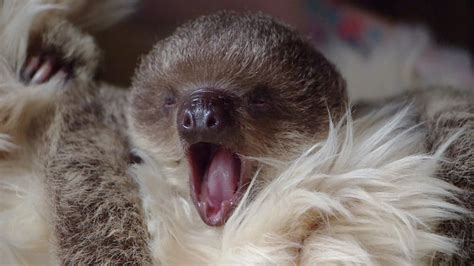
[{"x": 43, "y": 73}]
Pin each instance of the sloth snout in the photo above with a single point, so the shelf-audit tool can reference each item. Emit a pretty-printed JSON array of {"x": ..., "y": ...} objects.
[{"x": 205, "y": 116}]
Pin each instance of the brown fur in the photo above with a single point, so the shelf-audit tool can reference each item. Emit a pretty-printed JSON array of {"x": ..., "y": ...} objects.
[{"x": 225, "y": 51}]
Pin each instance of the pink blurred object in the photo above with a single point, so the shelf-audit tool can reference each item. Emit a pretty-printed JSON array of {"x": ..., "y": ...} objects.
[{"x": 379, "y": 59}]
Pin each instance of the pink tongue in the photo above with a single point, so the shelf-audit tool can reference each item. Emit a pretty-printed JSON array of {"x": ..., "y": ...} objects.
[{"x": 222, "y": 178}]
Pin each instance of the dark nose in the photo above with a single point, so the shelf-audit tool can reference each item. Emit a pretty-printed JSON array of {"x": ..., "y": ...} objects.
[{"x": 206, "y": 116}]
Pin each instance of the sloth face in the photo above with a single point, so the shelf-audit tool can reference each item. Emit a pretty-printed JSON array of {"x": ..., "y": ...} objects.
[{"x": 226, "y": 87}]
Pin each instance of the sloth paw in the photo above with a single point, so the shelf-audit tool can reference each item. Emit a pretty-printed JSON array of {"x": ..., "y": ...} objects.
[
  {"x": 41, "y": 68},
  {"x": 59, "y": 49}
]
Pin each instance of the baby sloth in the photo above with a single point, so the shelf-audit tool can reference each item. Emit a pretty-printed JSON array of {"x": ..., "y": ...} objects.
[
  {"x": 227, "y": 87},
  {"x": 223, "y": 90}
]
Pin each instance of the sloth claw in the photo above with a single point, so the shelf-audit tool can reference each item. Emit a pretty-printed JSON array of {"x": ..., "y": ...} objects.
[{"x": 41, "y": 68}]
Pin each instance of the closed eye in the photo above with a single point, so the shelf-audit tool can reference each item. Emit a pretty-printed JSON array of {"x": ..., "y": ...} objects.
[
  {"x": 170, "y": 101},
  {"x": 260, "y": 97},
  {"x": 258, "y": 101}
]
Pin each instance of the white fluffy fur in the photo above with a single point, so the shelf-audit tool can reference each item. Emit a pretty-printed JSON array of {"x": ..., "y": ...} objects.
[
  {"x": 24, "y": 233},
  {"x": 364, "y": 196}
]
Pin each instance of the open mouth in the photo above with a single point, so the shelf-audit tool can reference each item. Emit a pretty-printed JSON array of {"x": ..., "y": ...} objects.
[{"x": 218, "y": 178}]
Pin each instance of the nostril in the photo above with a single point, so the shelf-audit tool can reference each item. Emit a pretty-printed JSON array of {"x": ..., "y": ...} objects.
[
  {"x": 188, "y": 120},
  {"x": 211, "y": 121}
]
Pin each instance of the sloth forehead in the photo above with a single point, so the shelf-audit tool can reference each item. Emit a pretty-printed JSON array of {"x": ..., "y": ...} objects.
[
  {"x": 228, "y": 37},
  {"x": 229, "y": 53}
]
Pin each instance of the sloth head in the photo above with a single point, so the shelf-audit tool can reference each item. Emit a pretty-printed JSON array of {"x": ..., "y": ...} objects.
[{"x": 227, "y": 87}]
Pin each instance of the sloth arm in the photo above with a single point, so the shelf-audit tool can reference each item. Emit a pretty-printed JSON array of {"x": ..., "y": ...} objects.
[
  {"x": 96, "y": 208},
  {"x": 96, "y": 212}
]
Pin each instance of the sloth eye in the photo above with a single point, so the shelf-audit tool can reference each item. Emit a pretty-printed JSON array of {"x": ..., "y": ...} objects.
[
  {"x": 260, "y": 98},
  {"x": 258, "y": 101},
  {"x": 170, "y": 101}
]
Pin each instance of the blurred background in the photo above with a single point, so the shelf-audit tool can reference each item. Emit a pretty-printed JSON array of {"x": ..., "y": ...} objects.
[{"x": 435, "y": 36}]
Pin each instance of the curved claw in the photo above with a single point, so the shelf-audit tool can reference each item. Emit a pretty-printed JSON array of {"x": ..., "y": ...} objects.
[{"x": 41, "y": 68}]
